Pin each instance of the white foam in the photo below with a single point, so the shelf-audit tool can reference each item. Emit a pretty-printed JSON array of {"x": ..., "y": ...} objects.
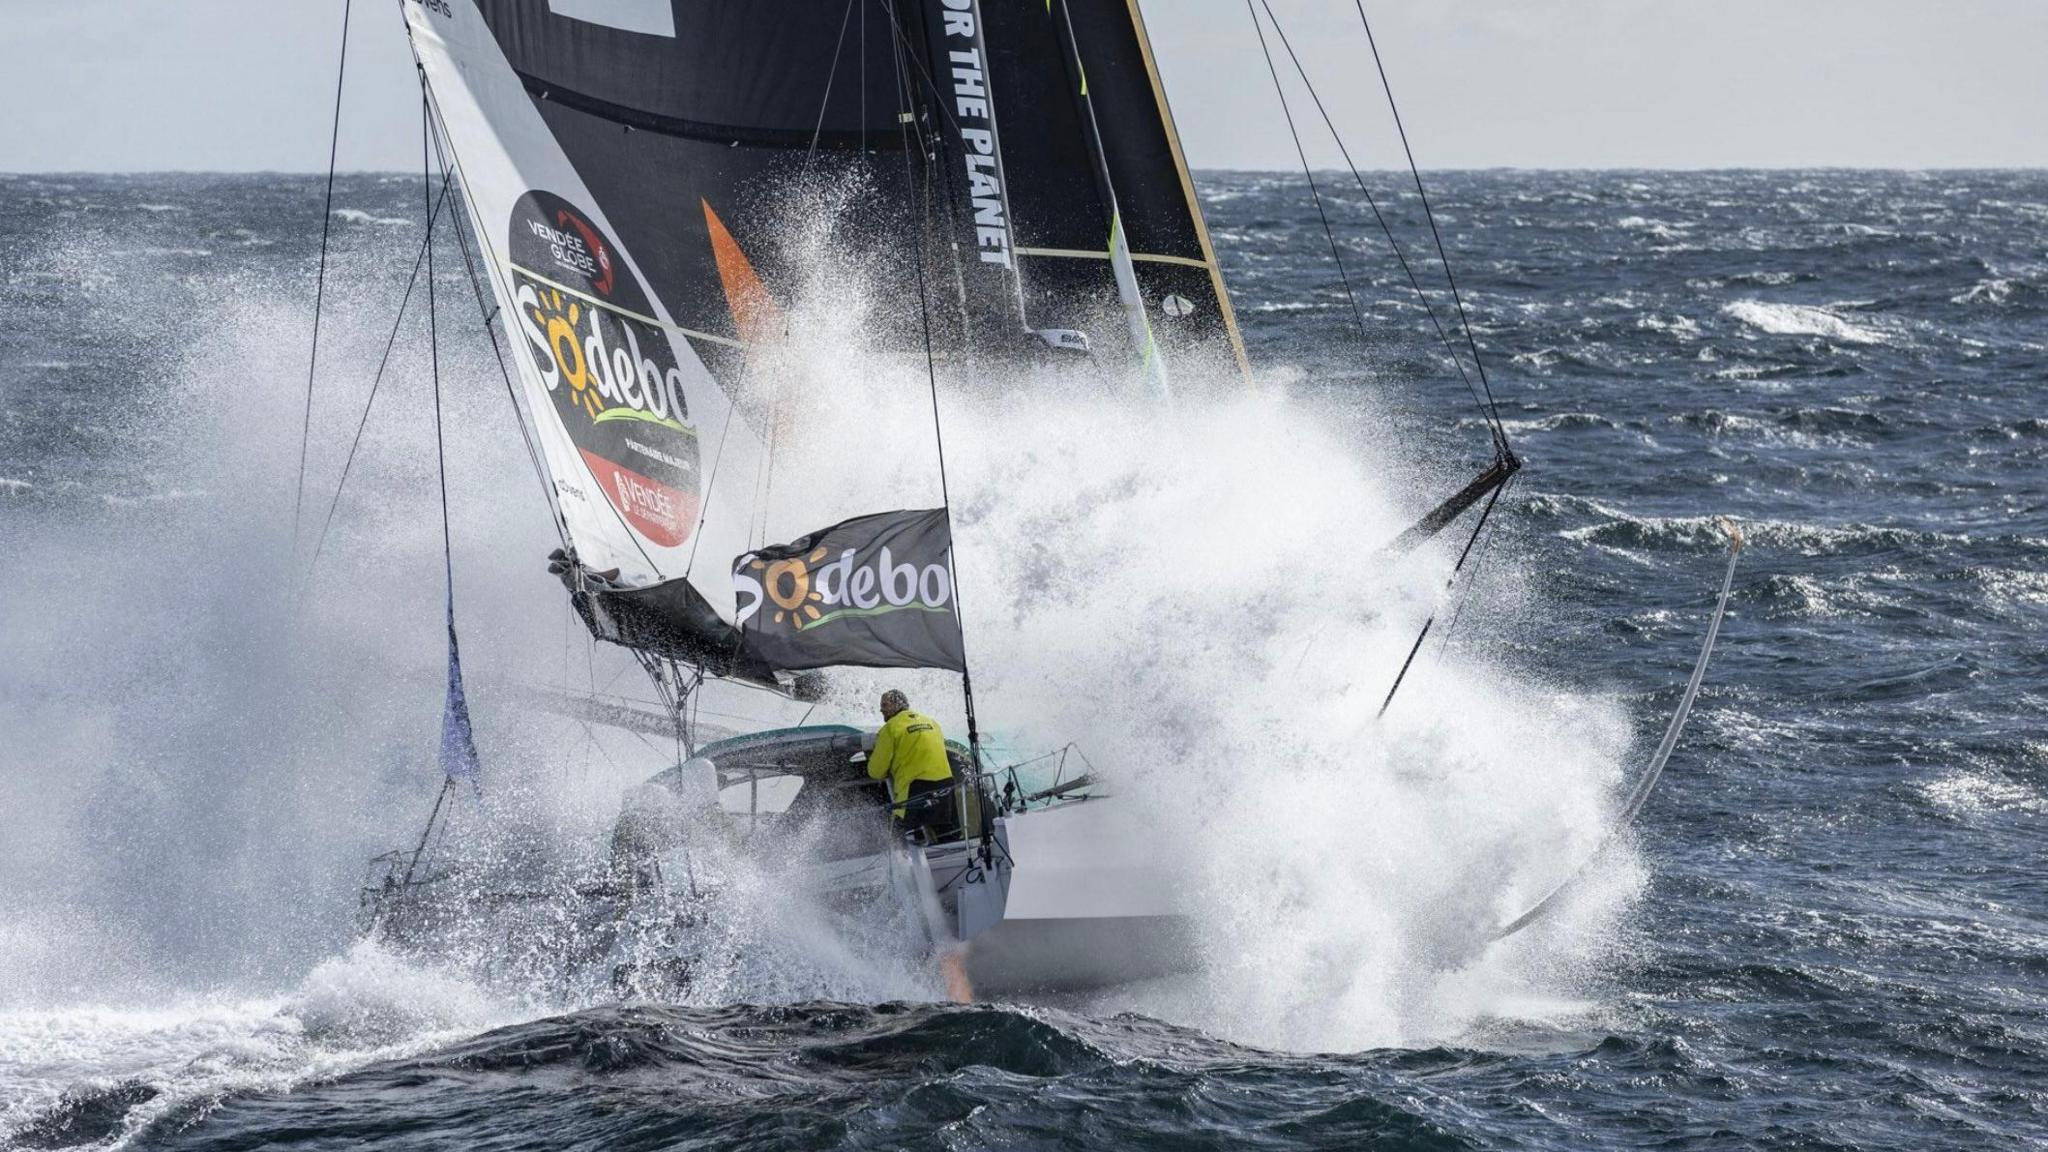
[
  {"x": 1802, "y": 320},
  {"x": 359, "y": 216},
  {"x": 1972, "y": 793},
  {"x": 360, "y": 1007},
  {"x": 1190, "y": 591}
]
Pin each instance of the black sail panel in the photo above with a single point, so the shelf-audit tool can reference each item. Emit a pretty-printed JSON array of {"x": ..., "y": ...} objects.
[
  {"x": 1061, "y": 222},
  {"x": 696, "y": 143}
]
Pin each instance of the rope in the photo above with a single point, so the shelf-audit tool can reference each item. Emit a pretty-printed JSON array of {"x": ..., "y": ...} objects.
[
  {"x": 320, "y": 278},
  {"x": 1500, "y": 434},
  {"x": 1640, "y": 795},
  {"x": 1328, "y": 233},
  {"x": 1471, "y": 590},
  {"x": 825, "y": 101},
  {"x": 932, "y": 384},
  {"x": 434, "y": 353}
]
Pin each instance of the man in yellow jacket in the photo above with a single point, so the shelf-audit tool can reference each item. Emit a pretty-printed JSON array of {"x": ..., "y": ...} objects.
[{"x": 910, "y": 753}]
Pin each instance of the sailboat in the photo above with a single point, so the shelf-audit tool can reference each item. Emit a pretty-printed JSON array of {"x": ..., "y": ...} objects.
[{"x": 620, "y": 165}]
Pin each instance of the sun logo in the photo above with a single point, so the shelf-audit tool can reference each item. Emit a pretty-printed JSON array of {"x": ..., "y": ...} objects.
[
  {"x": 559, "y": 324},
  {"x": 789, "y": 584}
]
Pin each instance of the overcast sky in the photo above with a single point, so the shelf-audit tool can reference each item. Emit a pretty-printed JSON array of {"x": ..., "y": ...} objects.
[{"x": 117, "y": 85}]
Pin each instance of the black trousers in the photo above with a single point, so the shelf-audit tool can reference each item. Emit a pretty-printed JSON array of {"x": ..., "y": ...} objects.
[{"x": 923, "y": 810}]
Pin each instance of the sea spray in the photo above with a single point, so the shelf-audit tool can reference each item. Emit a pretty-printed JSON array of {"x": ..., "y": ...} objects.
[
  {"x": 1190, "y": 593},
  {"x": 1193, "y": 593}
]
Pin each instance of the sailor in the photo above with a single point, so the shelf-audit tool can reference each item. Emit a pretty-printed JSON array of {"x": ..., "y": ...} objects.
[{"x": 910, "y": 753}]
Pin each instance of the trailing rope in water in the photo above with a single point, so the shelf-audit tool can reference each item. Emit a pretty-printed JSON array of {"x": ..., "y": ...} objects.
[{"x": 1641, "y": 793}]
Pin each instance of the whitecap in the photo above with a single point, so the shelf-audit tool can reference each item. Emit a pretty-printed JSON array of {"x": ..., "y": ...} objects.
[
  {"x": 1801, "y": 320},
  {"x": 358, "y": 216},
  {"x": 1971, "y": 793},
  {"x": 1995, "y": 291}
]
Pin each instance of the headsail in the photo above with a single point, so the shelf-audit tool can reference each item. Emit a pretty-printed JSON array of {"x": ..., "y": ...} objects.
[{"x": 634, "y": 425}]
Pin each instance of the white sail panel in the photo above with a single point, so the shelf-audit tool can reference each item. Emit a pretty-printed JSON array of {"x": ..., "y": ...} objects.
[{"x": 633, "y": 425}]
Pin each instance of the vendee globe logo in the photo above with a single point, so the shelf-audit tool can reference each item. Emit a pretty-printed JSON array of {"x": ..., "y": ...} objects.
[
  {"x": 608, "y": 367},
  {"x": 810, "y": 591}
]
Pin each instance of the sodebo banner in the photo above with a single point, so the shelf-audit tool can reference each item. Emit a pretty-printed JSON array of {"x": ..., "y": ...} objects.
[{"x": 874, "y": 591}]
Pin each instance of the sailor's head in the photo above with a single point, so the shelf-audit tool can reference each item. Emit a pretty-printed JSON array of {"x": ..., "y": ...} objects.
[{"x": 894, "y": 701}]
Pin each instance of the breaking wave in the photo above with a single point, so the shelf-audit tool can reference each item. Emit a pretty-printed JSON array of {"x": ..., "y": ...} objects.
[{"x": 1802, "y": 320}]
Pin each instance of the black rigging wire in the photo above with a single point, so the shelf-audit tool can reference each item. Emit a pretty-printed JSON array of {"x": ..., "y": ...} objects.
[
  {"x": 434, "y": 350},
  {"x": 449, "y": 171},
  {"x": 924, "y": 312},
  {"x": 376, "y": 382},
  {"x": 1471, "y": 590},
  {"x": 1328, "y": 233},
  {"x": 320, "y": 279},
  {"x": 1400, "y": 255},
  {"x": 1500, "y": 434},
  {"x": 1484, "y": 515}
]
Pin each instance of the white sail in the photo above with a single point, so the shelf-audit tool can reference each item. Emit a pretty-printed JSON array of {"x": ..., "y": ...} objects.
[{"x": 633, "y": 425}]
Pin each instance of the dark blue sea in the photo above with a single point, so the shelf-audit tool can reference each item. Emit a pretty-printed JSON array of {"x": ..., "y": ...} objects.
[{"x": 1830, "y": 929}]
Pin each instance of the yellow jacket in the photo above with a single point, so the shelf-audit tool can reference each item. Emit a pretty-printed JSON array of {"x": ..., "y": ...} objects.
[{"x": 909, "y": 747}]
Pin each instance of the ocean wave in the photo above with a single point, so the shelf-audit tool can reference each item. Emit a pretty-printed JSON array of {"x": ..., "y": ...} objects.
[
  {"x": 1619, "y": 529},
  {"x": 1971, "y": 793},
  {"x": 1997, "y": 292},
  {"x": 822, "y": 1073},
  {"x": 358, "y": 216},
  {"x": 9, "y": 486},
  {"x": 1552, "y": 423},
  {"x": 1661, "y": 229},
  {"x": 2029, "y": 428},
  {"x": 1802, "y": 320}
]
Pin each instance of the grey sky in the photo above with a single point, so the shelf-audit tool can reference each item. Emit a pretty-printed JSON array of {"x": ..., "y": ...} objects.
[{"x": 116, "y": 85}]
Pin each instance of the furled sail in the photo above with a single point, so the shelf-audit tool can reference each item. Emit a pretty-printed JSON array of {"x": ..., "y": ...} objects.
[{"x": 631, "y": 166}]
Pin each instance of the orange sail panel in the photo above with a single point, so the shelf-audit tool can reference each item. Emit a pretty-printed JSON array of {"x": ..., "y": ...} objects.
[{"x": 754, "y": 314}]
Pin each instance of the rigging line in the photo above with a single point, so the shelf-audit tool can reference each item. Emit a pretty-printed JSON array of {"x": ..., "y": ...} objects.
[
  {"x": 1472, "y": 590},
  {"x": 434, "y": 352},
  {"x": 1317, "y": 196},
  {"x": 320, "y": 278},
  {"x": 1499, "y": 432},
  {"x": 375, "y": 382},
  {"x": 830, "y": 77},
  {"x": 491, "y": 269},
  {"x": 932, "y": 384},
  {"x": 1400, "y": 255},
  {"x": 930, "y": 83},
  {"x": 1429, "y": 623},
  {"x": 448, "y": 169},
  {"x": 732, "y": 414}
]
